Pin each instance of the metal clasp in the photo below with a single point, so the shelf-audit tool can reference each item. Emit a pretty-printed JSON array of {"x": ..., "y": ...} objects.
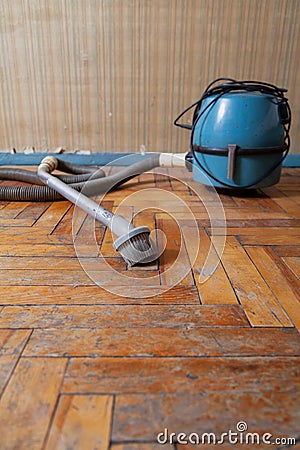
[{"x": 232, "y": 154}]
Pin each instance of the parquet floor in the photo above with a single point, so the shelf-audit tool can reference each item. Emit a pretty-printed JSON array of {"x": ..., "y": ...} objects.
[{"x": 82, "y": 367}]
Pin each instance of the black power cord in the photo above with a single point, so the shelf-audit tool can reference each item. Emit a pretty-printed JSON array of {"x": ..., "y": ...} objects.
[{"x": 224, "y": 86}]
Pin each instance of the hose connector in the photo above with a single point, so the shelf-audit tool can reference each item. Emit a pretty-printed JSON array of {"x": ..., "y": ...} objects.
[
  {"x": 172, "y": 159},
  {"x": 50, "y": 163}
]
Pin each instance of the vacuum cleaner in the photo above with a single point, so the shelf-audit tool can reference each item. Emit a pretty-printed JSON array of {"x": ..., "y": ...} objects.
[
  {"x": 239, "y": 139},
  {"x": 239, "y": 134}
]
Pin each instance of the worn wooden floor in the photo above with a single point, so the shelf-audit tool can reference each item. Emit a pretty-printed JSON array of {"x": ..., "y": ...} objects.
[{"x": 84, "y": 368}]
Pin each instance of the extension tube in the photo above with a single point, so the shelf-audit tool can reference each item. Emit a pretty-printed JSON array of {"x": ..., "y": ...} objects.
[{"x": 133, "y": 243}]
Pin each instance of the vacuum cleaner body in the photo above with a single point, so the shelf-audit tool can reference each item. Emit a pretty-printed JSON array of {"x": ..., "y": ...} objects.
[
  {"x": 239, "y": 135},
  {"x": 248, "y": 121}
]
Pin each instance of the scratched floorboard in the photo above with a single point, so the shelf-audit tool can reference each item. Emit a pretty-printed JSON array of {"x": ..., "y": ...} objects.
[{"x": 96, "y": 355}]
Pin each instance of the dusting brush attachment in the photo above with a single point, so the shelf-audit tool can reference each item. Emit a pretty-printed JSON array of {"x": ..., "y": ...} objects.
[{"x": 136, "y": 246}]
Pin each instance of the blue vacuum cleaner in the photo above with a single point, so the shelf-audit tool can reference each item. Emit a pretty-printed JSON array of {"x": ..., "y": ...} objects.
[{"x": 239, "y": 134}]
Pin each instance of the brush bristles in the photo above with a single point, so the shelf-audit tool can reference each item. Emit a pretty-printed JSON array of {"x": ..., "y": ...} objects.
[
  {"x": 141, "y": 242},
  {"x": 138, "y": 249}
]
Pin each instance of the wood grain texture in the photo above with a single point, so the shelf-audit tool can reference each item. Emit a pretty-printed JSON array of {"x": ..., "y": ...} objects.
[
  {"x": 97, "y": 316},
  {"x": 167, "y": 342},
  {"x": 217, "y": 289},
  {"x": 33, "y": 211},
  {"x": 261, "y": 410},
  {"x": 293, "y": 262},
  {"x": 12, "y": 343},
  {"x": 259, "y": 232},
  {"x": 46, "y": 250},
  {"x": 269, "y": 239},
  {"x": 287, "y": 250},
  {"x": 5, "y": 222},
  {"x": 112, "y": 76},
  {"x": 286, "y": 202},
  {"x": 85, "y": 295},
  {"x": 276, "y": 279},
  {"x": 57, "y": 263},
  {"x": 13, "y": 209},
  {"x": 154, "y": 375},
  {"x": 81, "y": 421},
  {"x": 28, "y": 402},
  {"x": 175, "y": 254},
  {"x": 250, "y": 286},
  {"x": 52, "y": 216}
]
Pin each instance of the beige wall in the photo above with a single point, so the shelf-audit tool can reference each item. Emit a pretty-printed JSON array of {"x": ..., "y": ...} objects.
[{"x": 111, "y": 75}]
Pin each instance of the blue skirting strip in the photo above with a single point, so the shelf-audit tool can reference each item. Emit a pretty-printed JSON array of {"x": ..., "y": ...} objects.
[
  {"x": 99, "y": 159},
  {"x": 292, "y": 161}
]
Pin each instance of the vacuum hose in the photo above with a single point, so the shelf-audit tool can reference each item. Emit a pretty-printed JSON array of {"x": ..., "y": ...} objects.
[
  {"x": 43, "y": 193},
  {"x": 92, "y": 179},
  {"x": 88, "y": 179},
  {"x": 133, "y": 243}
]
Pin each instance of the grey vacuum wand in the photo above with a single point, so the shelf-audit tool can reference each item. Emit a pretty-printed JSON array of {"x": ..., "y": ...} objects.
[{"x": 133, "y": 243}]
